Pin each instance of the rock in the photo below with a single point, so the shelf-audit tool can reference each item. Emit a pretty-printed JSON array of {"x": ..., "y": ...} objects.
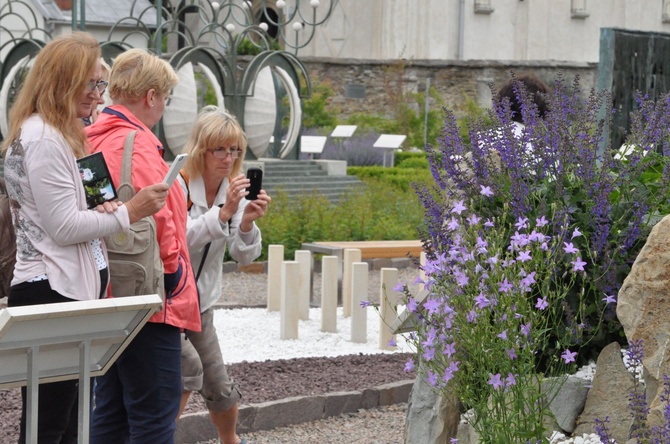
[
  {"x": 431, "y": 418},
  {"x": 643, "y": 309},
  {"x": 608, "y": 396},
  {"x": 568, "y": 402}
]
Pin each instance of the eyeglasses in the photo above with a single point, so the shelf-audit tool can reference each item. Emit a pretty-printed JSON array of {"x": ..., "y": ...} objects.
[
  {"x": 220, "y": 153},
  {"x": 100, "y": 85},
  {"x": 168, "y": 100}
]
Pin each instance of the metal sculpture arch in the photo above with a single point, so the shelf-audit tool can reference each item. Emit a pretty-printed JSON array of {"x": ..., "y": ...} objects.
[{"x": 201, "y": 39}]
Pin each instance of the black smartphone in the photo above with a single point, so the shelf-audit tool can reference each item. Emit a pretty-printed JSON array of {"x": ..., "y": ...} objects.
[{"x": 255, "y": 175}]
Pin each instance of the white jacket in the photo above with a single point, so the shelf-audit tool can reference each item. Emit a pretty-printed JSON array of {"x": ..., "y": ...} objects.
[{"x": 203, "y": 227}]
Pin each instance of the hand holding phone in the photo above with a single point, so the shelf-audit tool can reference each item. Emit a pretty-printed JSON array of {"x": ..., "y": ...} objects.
[
  {"x": 255, "y": 176},
  {"x": 176, "y": 166}
]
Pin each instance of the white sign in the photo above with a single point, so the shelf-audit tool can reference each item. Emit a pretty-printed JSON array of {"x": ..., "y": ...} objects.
[
  {"x": 343, "y": 131},
  {"x": 312, "y": 144},
  {"x": 389, "y": 141}
]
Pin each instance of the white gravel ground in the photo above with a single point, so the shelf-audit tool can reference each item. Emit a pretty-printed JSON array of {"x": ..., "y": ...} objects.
[{"x": 253, "y": 334}]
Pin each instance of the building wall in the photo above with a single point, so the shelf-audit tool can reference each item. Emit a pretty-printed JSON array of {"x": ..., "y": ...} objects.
[
  {"x": 515, "y": 30},
  {"x": 456, "y": 82}
]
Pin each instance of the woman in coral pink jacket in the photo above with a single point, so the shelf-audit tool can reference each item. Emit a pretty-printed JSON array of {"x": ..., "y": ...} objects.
[{"x": 137, "y": 400}]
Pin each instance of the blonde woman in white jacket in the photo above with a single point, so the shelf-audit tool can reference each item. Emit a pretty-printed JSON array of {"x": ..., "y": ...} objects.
[{"x": 219, "y": 217}]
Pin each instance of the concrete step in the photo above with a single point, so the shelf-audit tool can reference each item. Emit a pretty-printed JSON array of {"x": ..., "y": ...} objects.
[{"x": 299, "y": 177}]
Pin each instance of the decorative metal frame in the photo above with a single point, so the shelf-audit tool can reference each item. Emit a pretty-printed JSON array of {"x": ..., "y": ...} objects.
[{"x": 199, "y": 31}]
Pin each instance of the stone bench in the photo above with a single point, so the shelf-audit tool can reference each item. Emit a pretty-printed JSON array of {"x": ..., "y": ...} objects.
[
  {"x": 369, "y": 249},
  {"x": 377, "y": 250}
]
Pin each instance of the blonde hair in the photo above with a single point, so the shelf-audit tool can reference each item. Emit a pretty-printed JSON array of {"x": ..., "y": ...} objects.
[
  {"x": 53, "y": 87},
  {"x": 136, "y": 71},
  {"x": 214, "y": 128},
  {"x": 106, "y": 69}
]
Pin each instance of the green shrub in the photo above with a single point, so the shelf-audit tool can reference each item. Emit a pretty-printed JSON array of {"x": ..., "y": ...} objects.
[
  {"x": 414, "y": 162},
  {"x": 399, "y": 178},
  {"x": 404, "y": 155},
  {"x": 314, "y": 108},
  {"x": 381, "y": 211}
]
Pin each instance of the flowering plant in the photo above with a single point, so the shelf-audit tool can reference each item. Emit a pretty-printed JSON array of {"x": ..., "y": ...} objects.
[
  {"x": 493, "y": 301},
  {"x": 530, "y": 232},
  {"x": 563, "y": 165}
]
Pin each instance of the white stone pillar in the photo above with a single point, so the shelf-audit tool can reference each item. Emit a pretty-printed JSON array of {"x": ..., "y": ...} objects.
[
  {"x": 351, "y": 255},
  {"x": 359, "y": 292},
  {"x": 329, "y": 271},
  {"x": 388, "y": 301},
  {"x": 289, "y": 300},
  {"x": 304, "y": 258},
  {"x": 275, "y": 259}
]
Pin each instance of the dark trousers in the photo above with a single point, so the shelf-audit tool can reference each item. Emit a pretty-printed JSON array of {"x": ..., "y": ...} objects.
[
  {"x": 137, "y": 400},
  {"x": 57, "y": 421}
]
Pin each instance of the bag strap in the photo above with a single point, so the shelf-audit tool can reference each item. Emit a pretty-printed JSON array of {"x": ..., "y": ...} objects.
[
  {"x": 189, "y": 202},
  {"x": 126, "y": 191}
]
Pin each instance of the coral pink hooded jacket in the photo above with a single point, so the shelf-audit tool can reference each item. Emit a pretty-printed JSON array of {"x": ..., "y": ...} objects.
[{"x": 108, "y": 135}]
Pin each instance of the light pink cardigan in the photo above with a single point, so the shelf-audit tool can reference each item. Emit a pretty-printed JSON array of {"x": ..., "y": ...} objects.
[{"x": 54, "y": 226}]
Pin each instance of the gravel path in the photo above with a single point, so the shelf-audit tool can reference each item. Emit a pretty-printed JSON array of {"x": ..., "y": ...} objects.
[{"x": 383, "y": 425}]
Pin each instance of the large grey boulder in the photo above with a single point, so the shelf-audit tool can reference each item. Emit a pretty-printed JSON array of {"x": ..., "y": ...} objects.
[
  {"x": 608, "y": 396},
  {"x": 643, "y": 309}
]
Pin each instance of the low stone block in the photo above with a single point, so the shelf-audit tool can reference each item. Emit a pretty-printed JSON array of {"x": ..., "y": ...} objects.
[
  {"x": 246, "y": 416},
  {"x": 338, "y": 403},
  {"x": 395, "y": 392},
  {"x": 370, "y": 398},
  {"x": 193, "y": 428},
  {"x": 294, "y": 410}
]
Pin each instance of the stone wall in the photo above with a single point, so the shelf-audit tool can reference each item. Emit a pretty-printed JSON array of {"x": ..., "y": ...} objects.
[{"x": 385, "y": 84}]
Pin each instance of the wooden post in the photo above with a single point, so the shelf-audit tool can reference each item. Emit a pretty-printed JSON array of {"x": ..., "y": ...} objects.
[
  {"x": 359, "y": 292},
  {"x": 329, "y": 271},
  {"x": 351, "y": 255},
  {"x": 304, "y": 259},
  {"x": 289, "y": 301},
  {"x": 388, "y": 301},
  {"x": 275, "y": 259}
]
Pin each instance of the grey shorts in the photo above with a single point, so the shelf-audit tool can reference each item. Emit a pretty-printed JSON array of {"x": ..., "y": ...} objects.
[{"x": 203, "y": 369}]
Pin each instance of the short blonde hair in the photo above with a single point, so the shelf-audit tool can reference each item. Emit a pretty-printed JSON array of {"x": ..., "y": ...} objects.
[
  {"x": 214, "y": 128},
  {"x": 136, "y": 71}
]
